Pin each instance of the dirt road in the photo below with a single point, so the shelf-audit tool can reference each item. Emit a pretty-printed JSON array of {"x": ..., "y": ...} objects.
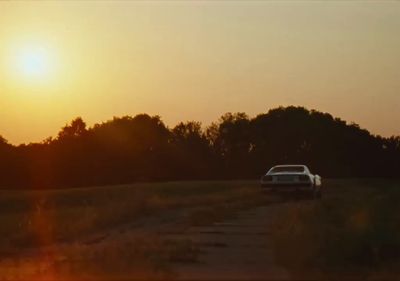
[{"x": 236, "y": 249}]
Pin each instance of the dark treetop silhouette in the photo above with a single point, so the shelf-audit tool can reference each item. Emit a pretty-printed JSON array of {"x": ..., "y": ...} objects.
[{"x": 142, "y": 148}]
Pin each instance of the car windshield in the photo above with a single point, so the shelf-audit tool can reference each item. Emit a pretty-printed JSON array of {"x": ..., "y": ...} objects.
[{"x": 297, "y": 169}]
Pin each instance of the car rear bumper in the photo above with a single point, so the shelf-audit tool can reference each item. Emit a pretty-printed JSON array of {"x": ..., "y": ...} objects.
[{"x": 294, "y": 185}]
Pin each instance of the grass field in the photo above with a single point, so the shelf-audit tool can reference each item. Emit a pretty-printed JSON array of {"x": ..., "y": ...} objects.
[
  {"x": 38, "y": 219},
  {"x": 66, "y": 214},
  {"x": 352, "y": 230}
]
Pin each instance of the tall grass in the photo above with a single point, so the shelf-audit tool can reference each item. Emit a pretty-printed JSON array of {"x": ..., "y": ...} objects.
[
  {"x": 34, "y": 218},
  {"x": 354, "y": 230}
]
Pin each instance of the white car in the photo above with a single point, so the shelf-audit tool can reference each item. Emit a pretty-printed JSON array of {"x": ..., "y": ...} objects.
[{"x": 296, "y": 177}]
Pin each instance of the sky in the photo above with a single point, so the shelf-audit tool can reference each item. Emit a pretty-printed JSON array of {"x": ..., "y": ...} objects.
[{"x": 196, "y": 60}]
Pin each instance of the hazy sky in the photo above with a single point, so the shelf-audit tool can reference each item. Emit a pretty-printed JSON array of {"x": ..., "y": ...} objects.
[{"x": 195, "y": 61}]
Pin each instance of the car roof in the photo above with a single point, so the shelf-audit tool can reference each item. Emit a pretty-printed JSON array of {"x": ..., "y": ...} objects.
[{"x": 304, "y": 166}]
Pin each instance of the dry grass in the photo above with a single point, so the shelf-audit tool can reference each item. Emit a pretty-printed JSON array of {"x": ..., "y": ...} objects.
[
  {"x": 51, "y": 225},
  {"x": 32, "y": 218},
  {"x": 139, "y": 257},
  {"x": 352, "y": 232}
]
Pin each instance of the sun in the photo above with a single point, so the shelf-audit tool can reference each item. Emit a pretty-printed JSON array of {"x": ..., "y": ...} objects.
[
  {"x": 34, "y": 62},
  {"x": 30, "y": 66}
]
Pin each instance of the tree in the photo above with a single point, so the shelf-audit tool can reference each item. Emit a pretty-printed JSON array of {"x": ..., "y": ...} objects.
[
  {"x": 141, "y": 148},
  {"x": 191, "y": 151},
  {"x": 75, "y": 129}
]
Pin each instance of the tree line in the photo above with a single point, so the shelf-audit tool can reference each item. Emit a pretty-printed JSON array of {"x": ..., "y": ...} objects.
[{"x": 142, "y": 148}]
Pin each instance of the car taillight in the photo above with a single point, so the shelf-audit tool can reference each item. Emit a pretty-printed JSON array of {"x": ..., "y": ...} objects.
[
  {"x": 304, "y": 178},
  {"x": 267, "y": 178}
]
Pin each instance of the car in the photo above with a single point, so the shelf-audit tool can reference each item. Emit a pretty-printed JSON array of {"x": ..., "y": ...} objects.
[{"x": 292, "y": 177}]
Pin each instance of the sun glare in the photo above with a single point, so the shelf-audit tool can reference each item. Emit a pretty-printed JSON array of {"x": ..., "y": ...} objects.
[{"x": 34, "y": 62}]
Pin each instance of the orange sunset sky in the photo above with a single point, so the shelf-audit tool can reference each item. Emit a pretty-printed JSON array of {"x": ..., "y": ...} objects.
[{"x": 195, "y": 60}]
